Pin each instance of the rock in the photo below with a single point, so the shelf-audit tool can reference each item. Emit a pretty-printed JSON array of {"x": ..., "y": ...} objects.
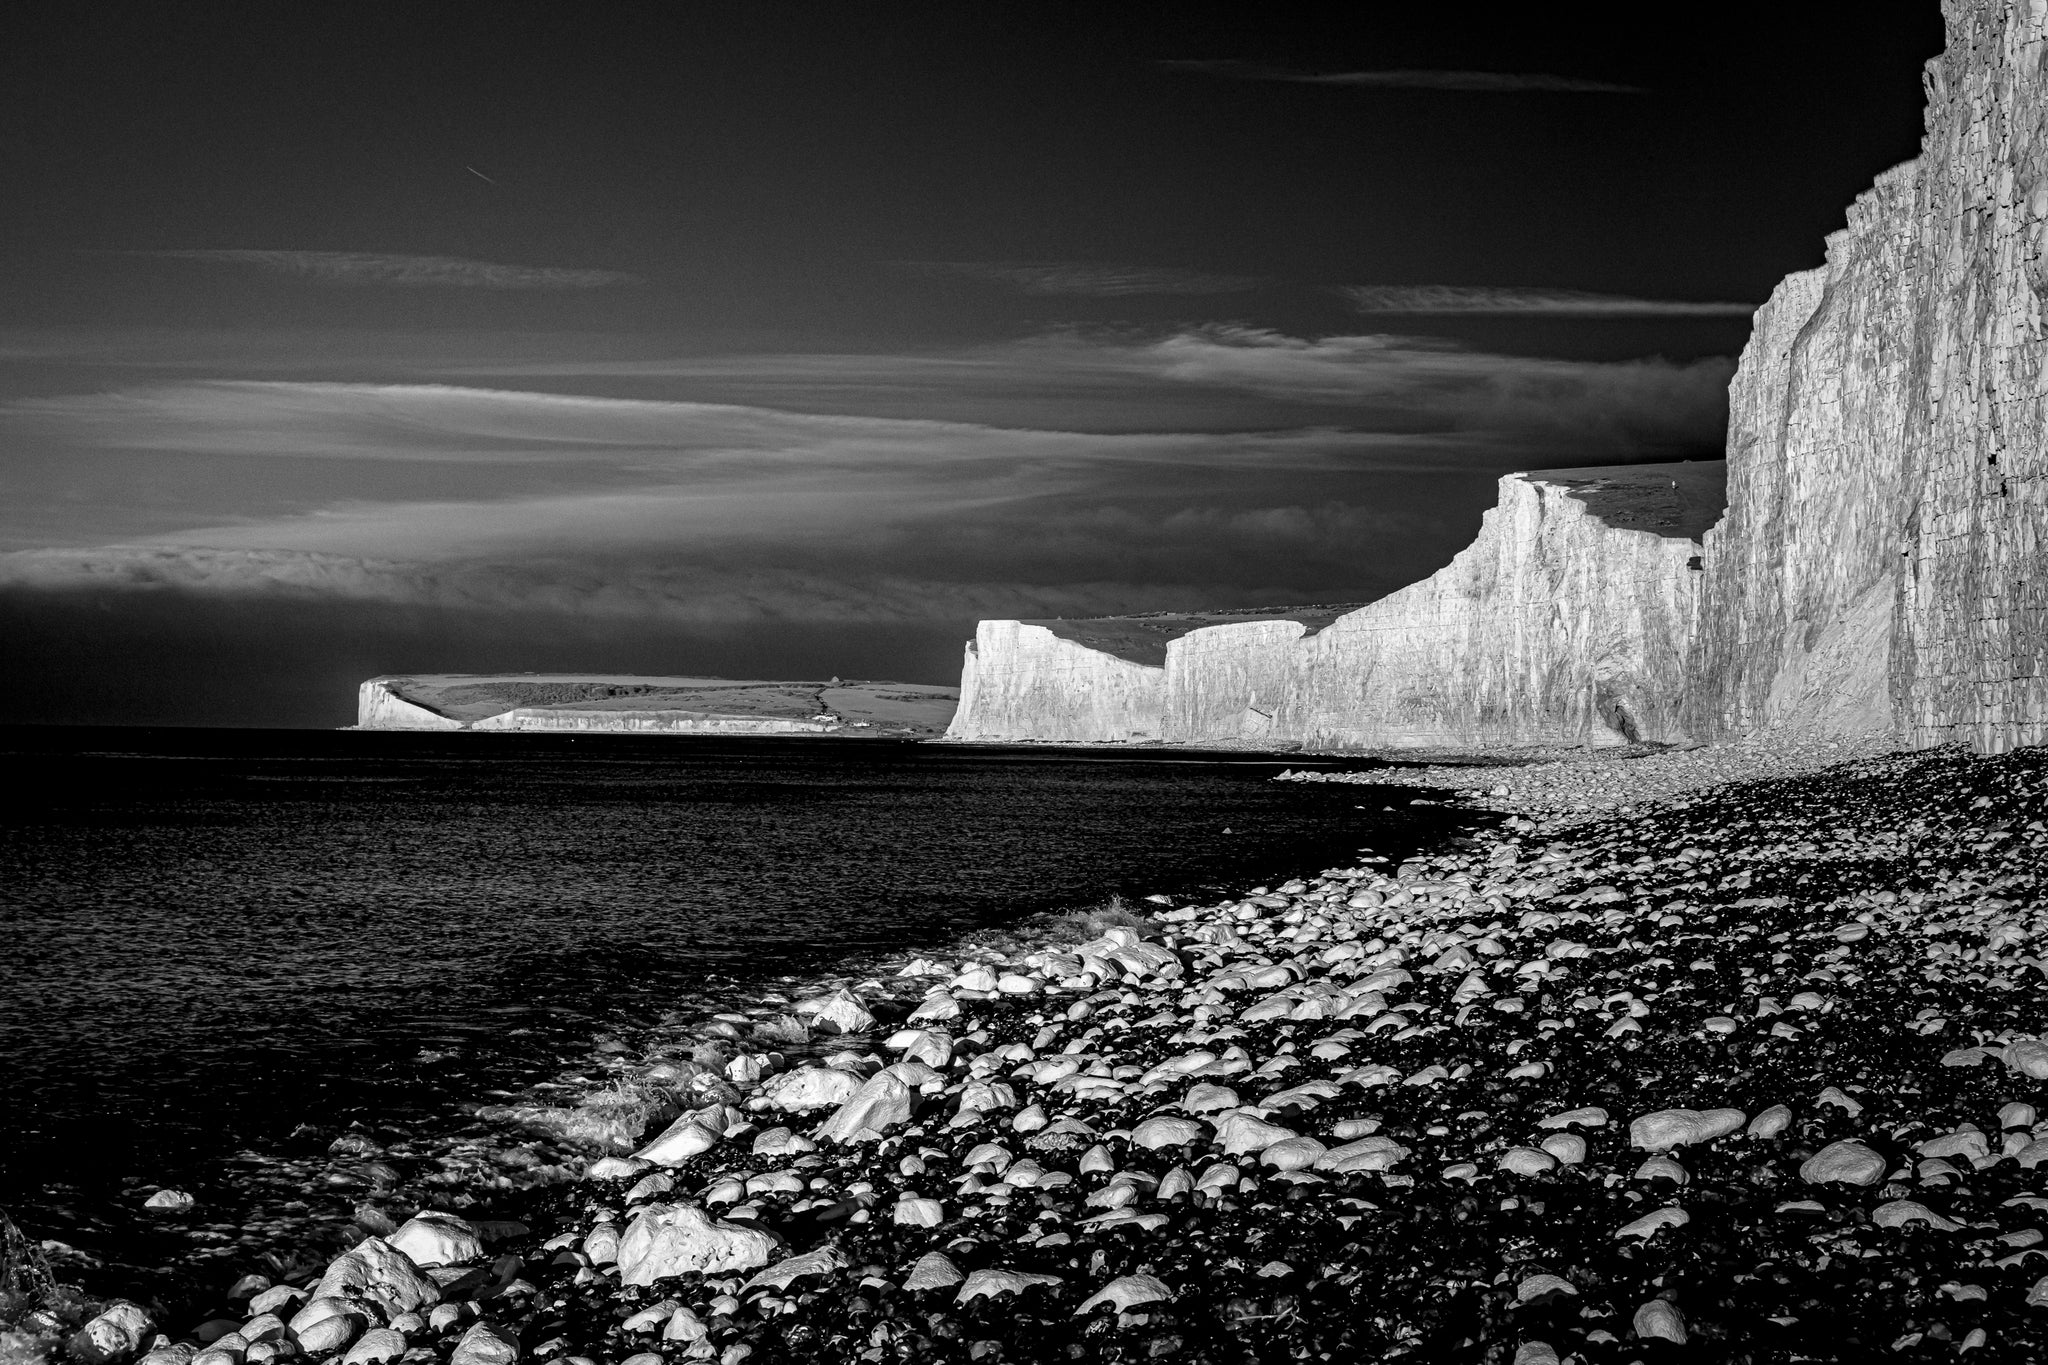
[
  {"x": 840, "y": 1012},
  {"x": 885, "y": 1102},
  {"x": 1899, "y": 1212},
  {"x": 1536, "y": 1353},
  {"x": 484, "y": 1344},
  {"x": 379, "y": 1273},
  {"x": 1568, "y": 1148},
  {"x": 1591, "y": 1117},
  {"x": 1661, "y": 1319},
  {"x": 1292, "y": 1154},
  {"x": 1770, "y": 1122},
  {"x": 1670, "y": 1128},
  {"x": 1241, "y": 1134},
  {"x": 1125, "y": 1293},
  {"x": 1366, "y": 1154},
  {"x": 808, "y": 1088},
  {"x": 1847, "y": 1162},
  {"x": 434, "y": 1238},
  {"x": 997, "y": 1283},
  {"x": 170, "y": 1201},
  {"x": 932, "y": 1271},
  {"x": 1162, "y": 1130},
  {"x": 1537, "y": 1288},
  {"x": 117, "y": 1333},
  {"x": 378, "y": 1346},
  {"x": 329, "y": 1334},
  {"x": 688, "y": 1137},
  {"x": 2028, "y": 1057},
  {"x": 918, "y": 1213},
  {"x": 1651, "y": 1223},
  {"x": 674, "y": 1239},
  {"x": 1527, "y": 1161},
  {"x": 784, "y": 1273}
]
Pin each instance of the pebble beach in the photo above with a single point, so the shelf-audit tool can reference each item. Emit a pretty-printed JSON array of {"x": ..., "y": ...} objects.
[{"x": 1730, "y": 1053}]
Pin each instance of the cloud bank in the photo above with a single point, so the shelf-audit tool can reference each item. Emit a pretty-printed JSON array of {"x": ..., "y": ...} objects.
[
  {"x": 1508, "y": 302},
  {"x": 402, "y": 271},
  {"x": 1477, "y": 82}
]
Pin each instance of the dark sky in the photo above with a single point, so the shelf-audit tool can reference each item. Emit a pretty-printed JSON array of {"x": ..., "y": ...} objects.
[{"x": 769, "y": 339}]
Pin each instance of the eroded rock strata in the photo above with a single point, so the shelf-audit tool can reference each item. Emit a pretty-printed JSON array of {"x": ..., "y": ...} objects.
[{"x": 1566, "y": 620}]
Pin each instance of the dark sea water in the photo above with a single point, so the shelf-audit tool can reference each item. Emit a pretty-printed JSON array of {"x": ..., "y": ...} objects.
[{"x": 219, "y": 948}]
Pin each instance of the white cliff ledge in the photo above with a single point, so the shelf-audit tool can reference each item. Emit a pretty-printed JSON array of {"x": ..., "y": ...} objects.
[
  {"x": 582, "y": 703},
  {"x": 1566, "y": 620}
]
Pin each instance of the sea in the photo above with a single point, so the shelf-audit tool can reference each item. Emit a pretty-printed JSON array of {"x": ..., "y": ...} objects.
[{"x": 220, "y": 950}]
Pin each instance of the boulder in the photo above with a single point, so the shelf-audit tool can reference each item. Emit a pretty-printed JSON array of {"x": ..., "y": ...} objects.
[
  {"x": 885, "y": 1102},
  {"x": 379, "y": 1273},
  {"x": 119, "y": 1333},
  {"x": 435, "y": 1238},
  {"x": 674, "y": 1239}
]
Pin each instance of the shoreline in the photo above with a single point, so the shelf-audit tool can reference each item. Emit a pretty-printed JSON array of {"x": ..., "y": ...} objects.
[{"x": 1408, "y": 1158}]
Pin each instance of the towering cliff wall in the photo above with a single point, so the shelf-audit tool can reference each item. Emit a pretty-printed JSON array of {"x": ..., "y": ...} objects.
[
  {"x": 379, "y": 707},
  {"x": 1564, "y": 621},
  {"x": 1882, "y": 560}
]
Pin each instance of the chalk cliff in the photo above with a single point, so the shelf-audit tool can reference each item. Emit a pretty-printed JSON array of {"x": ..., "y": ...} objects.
[
  {"x": 380, "y": 707},
  {"x": 1564, "y": 621},
  {"x": 582, "y": 703},
  {"x": 1883, "y": 561}
]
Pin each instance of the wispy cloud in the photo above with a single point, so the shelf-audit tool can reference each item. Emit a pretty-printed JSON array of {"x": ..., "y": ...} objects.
[
  {"x": 1509, "y": 302},
  {"x": 1087, "y": 278},
  {"x": 1229, "y": 465},
  {"x": 401, "y": 271},
  {"x": 1478, "y": 82}
]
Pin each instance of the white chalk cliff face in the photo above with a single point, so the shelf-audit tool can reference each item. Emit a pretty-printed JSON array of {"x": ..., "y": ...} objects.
[
  {"x": 1566, "y": 620},
  {"x": 1883, "y": 562}
]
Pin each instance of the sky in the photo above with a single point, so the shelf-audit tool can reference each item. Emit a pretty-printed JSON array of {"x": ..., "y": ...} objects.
[{"x": 788, "y": 340}]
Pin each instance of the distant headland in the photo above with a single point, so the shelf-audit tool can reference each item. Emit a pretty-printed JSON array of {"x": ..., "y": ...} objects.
[{"x": 625, "y": 704}]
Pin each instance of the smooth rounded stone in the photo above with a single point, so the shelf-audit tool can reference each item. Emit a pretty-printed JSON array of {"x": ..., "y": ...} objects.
[
  {"x": 1669, "y": 1128},
  {"x": 1968, "y": 1056},
  {"x": 839, "y": 1012},
  {"x": 782, "y": 1142},
  {"x": 1770, "y": 1122},
  {"x": 1536, "y": 1353},
  {"x": 1163, "y": 1130},
  {"x": 1125, "y": 1293},
  {"x": 1348, "y": 1129},
  {"x": 270, "y": 1327},
  {"x": 1721, "y": 1023},
  {"x": 933, "y": 1047},
  {"x": 1569, "y": 1148},
  {"x": 1205, "y": 1098},
  {"x": 1851, "y": 933},
  {"x": 674, "y": 1239},
  {"x": 993, "y": 1155},
  {"x": 1662, "y": 1167},
  {"x": 1660, "y": 1318},
  {"x": 601, "y": 1244},
  {"x": 1841, "y": 1100},
  {"x": 1654, "y": 1221},
  {"x": 1219, "y": 1175},
  {"x": 170, "y": 1201},
  {"x": 1292, "y": 1154},
  {"x": 314, "y": 1311},
  {"x": 2017, "y": 1114},
  {"x": 1537, "y": 1288},
  {"x": 912, "y": 1211},
  {"x": 996, "y": 1283},
  {"x": 277, "y": 1298},
  {"x": 431, "y": 1237},
  {"x": 1029, "y": 1119},
  {"x": 379, "y": 1272},
  {"x": 688, "y": 1137},
  {"x": 937, "y": 1008},
  {"x": 1174, "y": 1183},
  {"x": 1899, "y": 1212},
  {"x": 446, "y": 1315},
  {"x": 2028, "y": 1057},
  {"x": 684, "y": 1325},
  {"x": 1967, "y": 1143},
  {"x": 1377, "y": 1153},
  {"x": 822, "y": 1261},
  {"x": 614, "y": 1168},
  {"x": 1847, "y": 1162},
  {"x": 932, "y": 1271},
  {"x": 1590, "y": 1117},
  {"x": 810, "y": 1087},
  {"x": 485, "y": 1344},
  {"x": 1242, "y": 1134},
  {"x": 1095, "y": 1161},
  {"x": 378, "y": 1346},
  {"x": 975, "y": 978},
  {"x": 1015, "y": 983},
  {"x": 885, "y": 1102},
  {"x": 118, "y": 1332},
  {"x": 1527, "y": 1161}
]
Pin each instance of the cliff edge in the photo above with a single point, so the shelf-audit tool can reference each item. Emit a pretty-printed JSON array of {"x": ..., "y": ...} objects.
[{"x": 1566, "y": 620}]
